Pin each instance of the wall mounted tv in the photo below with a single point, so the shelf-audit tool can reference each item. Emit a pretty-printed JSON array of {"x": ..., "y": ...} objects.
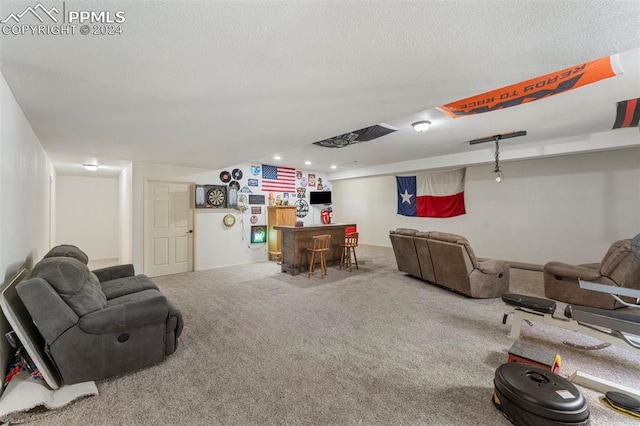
[{"x": 320, "y": 197}]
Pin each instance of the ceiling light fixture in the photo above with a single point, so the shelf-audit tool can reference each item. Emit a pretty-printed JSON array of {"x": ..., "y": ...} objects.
[
  {"x": 277, "y": 157},
  {"x": 421, "y": 126},
  {"x": 334, "y": 166},
  {"x": 90, "y": 167},
  {"x": 496, "y": 138},
  {"x": 308, "y": 163},
  {"x": 501, "y": 136}
]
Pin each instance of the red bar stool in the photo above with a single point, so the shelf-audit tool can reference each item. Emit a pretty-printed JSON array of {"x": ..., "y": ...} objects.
[{"x": 349, "y": 248}]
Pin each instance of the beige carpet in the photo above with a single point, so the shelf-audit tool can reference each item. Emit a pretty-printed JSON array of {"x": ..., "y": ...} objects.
[{"x": 368, "y": 347}]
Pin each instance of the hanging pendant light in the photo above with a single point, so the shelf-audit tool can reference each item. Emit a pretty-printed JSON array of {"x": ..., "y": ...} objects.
[{"x": 496, "y": 170}]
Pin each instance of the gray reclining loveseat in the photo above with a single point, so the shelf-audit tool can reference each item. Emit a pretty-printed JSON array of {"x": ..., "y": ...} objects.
[
  {"x": 619, "y": 268},
  {"x": 98, "y": 325},
  {"x": 449, "y": 261}
]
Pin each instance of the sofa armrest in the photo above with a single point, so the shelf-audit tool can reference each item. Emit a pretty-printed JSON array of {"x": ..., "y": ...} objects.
[
  {"x": 127, "y": 316},
  {"x": 493, "y": 266},
  {"x": 574, "y": 272},
  {"x": 591, "y": 265},
  {"x": 51, "y": 315},
  {"x": 114, "y": 272}
]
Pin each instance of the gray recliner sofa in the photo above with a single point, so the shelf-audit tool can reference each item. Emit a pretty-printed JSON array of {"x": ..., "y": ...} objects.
[
  {"x": 449, "y": 261},
  {"x": 618, "y": 267},
  {"x": 98, "y": 324}
]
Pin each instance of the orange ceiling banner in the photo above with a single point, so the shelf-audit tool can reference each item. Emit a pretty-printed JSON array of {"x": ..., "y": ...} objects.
[{"x": 532, "y": 90}]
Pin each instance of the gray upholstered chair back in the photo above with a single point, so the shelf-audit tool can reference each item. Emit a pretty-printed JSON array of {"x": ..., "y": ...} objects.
[
  {"x": 451, "y": 264},
  {"x": 621, "y": 266},
  {"x": 73, "y": 281},
  {"x": 405, "y": 251},
  {"x": 67, "y": 250},
  {"x": 424, "y": 256}
]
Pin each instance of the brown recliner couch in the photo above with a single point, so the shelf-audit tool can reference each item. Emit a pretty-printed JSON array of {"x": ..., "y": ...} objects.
[
  {"x": 449, "y": 261},
  {"x": 619, "y": 267}
]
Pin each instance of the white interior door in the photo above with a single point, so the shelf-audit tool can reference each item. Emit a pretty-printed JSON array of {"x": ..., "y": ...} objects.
[{"x": 168, "y": 228}]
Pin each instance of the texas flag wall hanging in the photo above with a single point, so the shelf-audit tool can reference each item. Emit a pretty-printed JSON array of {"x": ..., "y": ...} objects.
[
  {"x": 628, "y": 113},
  {"x": 435, "y": 194}
]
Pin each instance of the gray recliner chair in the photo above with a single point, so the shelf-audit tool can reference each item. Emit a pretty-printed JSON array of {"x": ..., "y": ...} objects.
[
  {"x": 619, "y": 267},
  {"x": 92, "y": 329}
]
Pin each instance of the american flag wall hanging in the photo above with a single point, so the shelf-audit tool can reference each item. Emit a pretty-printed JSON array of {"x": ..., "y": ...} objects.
[{"x": 278, "y": 179}]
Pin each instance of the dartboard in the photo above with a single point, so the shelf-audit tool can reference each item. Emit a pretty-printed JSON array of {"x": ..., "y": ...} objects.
[
  {"x": 216, "y": 197},
  {"x": 303, "y": 208}
]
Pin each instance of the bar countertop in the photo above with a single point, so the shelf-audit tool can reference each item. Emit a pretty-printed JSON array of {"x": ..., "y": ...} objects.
[{"x": 313, "y": 227}]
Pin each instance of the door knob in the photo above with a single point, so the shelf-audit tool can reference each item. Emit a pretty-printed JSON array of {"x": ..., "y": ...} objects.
[{"x": 190, "y": 231}]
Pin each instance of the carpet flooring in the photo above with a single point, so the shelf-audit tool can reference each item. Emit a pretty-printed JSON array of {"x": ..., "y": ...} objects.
[{"x": 372, "y": 346}]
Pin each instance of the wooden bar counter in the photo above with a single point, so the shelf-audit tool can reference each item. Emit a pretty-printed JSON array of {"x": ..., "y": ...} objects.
[{"x": 296, "y": 239}]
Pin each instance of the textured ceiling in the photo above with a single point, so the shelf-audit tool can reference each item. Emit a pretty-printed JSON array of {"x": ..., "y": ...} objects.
[{"x": 212, "y": 84}]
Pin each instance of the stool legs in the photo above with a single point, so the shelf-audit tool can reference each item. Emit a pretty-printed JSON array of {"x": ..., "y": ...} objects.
[
  {"x": 345, "y": 258},
  {"x": 355, "y": 258},
  {"x": 312, "y": 264}
]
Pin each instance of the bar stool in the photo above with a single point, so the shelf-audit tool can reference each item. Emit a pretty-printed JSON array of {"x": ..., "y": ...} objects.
[
  {"x": 321, "y": 245},
  {"x": 348, "y": 248}
]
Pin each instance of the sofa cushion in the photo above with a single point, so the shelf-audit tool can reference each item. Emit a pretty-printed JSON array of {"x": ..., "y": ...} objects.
[
  {"x": 405, "y": 231},
  {"x": 73, "y": 281},
  {"x": 127, "y": 285},
  {"x": 456, "y": 239},
  {"x": 420, "y": 241},
  {"x": 67, "y": 250},
  {"x": 402, "y": 241},
  {"x": 616, "y": 254}
]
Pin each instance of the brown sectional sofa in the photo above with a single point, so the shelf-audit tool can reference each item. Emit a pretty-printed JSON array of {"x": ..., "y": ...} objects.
[{"x": 448, "y": 260}]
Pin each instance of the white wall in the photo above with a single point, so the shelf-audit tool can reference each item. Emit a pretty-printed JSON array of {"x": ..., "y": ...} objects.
[
  {"x": 125, "y": 214},
  {"x": 568, "y": 208},
  {"x": 215, "y": 245},
  {"x": 88, "y": 215},
  {"x": 25, "y": 171}
]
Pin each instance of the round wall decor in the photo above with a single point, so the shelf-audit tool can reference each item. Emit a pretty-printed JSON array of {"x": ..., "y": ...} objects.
[
  {"x": 302, "y": 208},
  {"x": 229, "y": 220}
]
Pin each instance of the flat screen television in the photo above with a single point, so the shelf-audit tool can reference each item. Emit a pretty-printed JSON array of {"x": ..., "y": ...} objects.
[{"x": 320, "y": 197}]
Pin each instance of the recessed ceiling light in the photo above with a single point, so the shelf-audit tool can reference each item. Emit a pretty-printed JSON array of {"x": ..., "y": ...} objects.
[
  {"x": 334, "y": 166},
  {"x": 277, "y": 157},
  {"x": 421, "y": 126},
  {"x": 308, "y": 163},
  {"x": 90, "y": 167}
]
